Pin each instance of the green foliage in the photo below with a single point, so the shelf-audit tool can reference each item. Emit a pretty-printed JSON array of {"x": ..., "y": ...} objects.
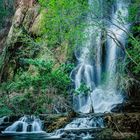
[
  {"x": 3, "y": 12},
  {"x": 133, "y": 50},
  {"x": 38, "y": 85},
  {"x": 42, "y": 76},
  {"x": 4, "y": 110},
  {"x": 6, "y": 9},
  {"x": 82, "y": 90},
  {"x": 63, "y": 20},
  {"x": 35, "y": 104},
  {"x": 134, "y": 11}
]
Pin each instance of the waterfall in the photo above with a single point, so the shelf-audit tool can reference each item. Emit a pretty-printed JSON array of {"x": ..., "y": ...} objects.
[
  {"x": 116, "y": 35},
  {"x": 85, "y": 123},
  {"x": 26, "y": 124},
  {"x": 80, "y": 128},
  {"x": 102, "y": 96}
]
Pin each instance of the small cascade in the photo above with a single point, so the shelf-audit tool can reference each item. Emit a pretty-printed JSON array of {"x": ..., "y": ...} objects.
[
  {"x": 80, "y": 128},
  {"x": 26, "y": 124},
  {"x": 85, "y": 123},
  {"x": 2, "y": 120}
]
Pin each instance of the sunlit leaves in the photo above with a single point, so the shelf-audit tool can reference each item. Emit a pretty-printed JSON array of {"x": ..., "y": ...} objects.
[{"x": 62, "y": 18}]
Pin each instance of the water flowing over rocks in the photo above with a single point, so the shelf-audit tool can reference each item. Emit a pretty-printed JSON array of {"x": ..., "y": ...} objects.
[
  {"x": 103, "y": 95},
  {"x": 7, "y": 121},
  {"x": 116, "y": 126},
  {"x": 26, "y": 124},
  {"x": 122, "y": 123},
  {"x": 98, "y": 126},
  {"x": 132, "y": 105}
]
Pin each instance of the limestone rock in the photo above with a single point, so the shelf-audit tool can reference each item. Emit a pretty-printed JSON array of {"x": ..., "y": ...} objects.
[
  {"x": 36, "y": 27},
  {"x": 19, "y": 16},
  {"x": 30, "y": 17}
]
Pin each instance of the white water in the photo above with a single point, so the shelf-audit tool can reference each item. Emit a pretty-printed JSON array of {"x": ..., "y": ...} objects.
[
  {"x": 80, "y": 127},
  {"x": 85, "y": 123},
  {"x": 102, "y": 96},
  {"x": 2, "y": 120},
  {"x": 26, "y": 124},
  {"x": 116, "y": 35}
]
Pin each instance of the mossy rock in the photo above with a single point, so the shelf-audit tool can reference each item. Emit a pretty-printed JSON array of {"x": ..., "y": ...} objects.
[
  {"x": 53, "y": 122},
  {"x": 128, "y": 122},
  {"x": 38, "y": 24},
  {"x": 125, "y": 136},
  {"x": 30, "y": 17},
  {"x": 59, "y": 123},
  {"x": 105, "y": 134}
]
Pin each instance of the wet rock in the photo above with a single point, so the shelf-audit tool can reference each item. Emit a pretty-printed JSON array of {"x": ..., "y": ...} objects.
[
  {"x": 58, "y": 123},
  {"x": 115, "y": 135},
  {"x": 125, "y": 136},
  {"x": 7, "y": 121},
  {"x": 128, "y": 122},
  {"x": 105, "y": 134},
  {"x": 19, "y": 127},
  {"x": 53, "y": 122},
  {"x": 29, "y": 128},
  {"x": 13, "y": 118},
  {"x": 80, "y": 131},
  {"x": 127, "y": 106}
]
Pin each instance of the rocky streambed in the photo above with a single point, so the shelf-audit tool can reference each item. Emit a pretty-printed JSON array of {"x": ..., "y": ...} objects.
[{"x": 116, "y": 125}]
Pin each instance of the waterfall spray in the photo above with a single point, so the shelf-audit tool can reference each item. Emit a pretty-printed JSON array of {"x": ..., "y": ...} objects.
[{"x": 102, "y": 97}]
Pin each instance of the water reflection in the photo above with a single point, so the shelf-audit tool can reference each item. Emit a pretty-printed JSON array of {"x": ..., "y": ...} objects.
[{"x": 26, "y": 137}]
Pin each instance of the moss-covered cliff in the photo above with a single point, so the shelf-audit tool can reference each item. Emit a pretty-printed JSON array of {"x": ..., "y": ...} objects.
[{"x": 30, "y": 70}]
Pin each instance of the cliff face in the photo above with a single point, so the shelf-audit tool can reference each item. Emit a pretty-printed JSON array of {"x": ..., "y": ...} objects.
[
  {"x": 6, "y": 13},
  {"x": 27, "y": 21},
  {"x": 23, "y": 20},
  {"x": 23, "y": 42}
]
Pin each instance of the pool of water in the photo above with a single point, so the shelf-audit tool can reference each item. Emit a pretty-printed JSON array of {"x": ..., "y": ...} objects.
[{"x": 27, "y": 137}]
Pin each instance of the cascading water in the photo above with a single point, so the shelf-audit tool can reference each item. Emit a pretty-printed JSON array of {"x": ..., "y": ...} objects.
[
  {"x": 85, "y": 123},
  {"x": 103, "y": 96},
  {"x": 2, "y": 120},
  {"x": 85, "y": 71},
  {"x": 26, "y": 124},
  {"x": 115, "y": 36},
  {"x": 80, "y": 128}
]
